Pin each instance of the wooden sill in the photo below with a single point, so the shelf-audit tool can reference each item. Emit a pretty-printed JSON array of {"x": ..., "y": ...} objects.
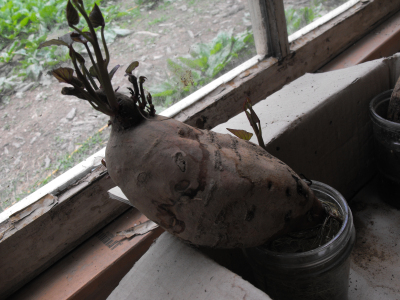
[
  {"x": 93, "y": 269},
  {"x": 381, "y": 42}
]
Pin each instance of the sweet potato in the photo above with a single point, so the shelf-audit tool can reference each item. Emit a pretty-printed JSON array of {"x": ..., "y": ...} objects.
[{"x": 207, "y": 188}]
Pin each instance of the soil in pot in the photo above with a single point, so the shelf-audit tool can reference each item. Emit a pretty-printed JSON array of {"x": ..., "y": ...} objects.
[
  {"x": 313, "y": 264},
  {"x": 387, "y": 149}
]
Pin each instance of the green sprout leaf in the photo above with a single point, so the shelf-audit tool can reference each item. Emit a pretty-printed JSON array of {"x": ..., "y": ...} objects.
[
  {"x": 132, "y": 67},
  {"x": 96, "y": 17},
  {"x": 242, "y": 134},
  {"x": 53, "y": 42},
  {"x": 63, "y": 74},
  {"x": 76, "y": 82},
  {"x": 72, "y": 14},
  {"x": 142, "y": 79},
  {"x": 113, "y": 71},
  {"x": 93, "y": 72},
  {"x": 79, "y": 58}
]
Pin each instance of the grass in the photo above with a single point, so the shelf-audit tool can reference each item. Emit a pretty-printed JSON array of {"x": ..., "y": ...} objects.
[
  {"x": 297, "y": 18},
  {"x": 24, "y": 24},
  {"x": 62, "y": 164},
  {"x": 205, "y": 62},
  {"x": 157, "y": 21}
]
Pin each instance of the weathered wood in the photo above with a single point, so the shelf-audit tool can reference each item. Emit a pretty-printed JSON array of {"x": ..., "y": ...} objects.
[
  {"x": 383, "y": 41},
  {"x": 258, "y": 14},
  {"x": 278, "y": 36},
  {"x": 37, "y": 236},
  {"x": 309, "y": 53},
  {"x": 94, "y": 268}
]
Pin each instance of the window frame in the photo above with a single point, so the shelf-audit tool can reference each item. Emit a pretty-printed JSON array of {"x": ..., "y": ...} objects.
[{"x": 79, "y": 191}]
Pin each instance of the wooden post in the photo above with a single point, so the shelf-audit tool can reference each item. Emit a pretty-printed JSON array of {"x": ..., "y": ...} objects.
[
  {"x": 278, "y": 36},
  {"x": 269, "y": 27}
]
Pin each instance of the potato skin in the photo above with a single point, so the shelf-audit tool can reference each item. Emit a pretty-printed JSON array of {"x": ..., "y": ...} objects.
[{"x": 207, "y": 188}]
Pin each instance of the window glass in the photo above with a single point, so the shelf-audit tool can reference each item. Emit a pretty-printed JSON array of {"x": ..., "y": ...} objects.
[
  {"x": 299, "y": 13},
  {"x": 181, "y": 45}
]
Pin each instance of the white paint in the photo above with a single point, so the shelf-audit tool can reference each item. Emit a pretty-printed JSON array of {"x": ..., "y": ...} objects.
[
  {"x": 325, "y": 18},
  {"x": 57, "y": 184},
  {"x": 204, "y": 91}
]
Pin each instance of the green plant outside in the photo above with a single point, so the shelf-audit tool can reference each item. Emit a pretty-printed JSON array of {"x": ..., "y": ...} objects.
[
  {"x": 25, "y": 24},
  {"x": 297, "y": 18},
  {"x": 205, "y": 62},
  {"x": 157, "y": 21}
]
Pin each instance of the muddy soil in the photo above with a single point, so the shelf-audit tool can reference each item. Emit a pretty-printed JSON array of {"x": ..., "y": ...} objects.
[{"x": 42, "y": 131}]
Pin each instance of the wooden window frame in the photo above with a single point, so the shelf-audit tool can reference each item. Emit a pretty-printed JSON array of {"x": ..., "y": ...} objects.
[{"x": 46, "y": 225}]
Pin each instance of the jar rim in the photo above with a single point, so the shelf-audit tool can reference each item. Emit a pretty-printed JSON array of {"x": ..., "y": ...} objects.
[
  {"x": 337, "y": 240},
  {"x": 379, "y": 99}
]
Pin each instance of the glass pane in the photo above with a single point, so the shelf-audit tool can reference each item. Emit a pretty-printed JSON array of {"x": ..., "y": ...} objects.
[
  {"x": 181, "y": 45},
  {"x": 299, "y": 13}
]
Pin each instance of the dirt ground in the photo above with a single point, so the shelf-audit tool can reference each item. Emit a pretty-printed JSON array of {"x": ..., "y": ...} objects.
[{"x": 40, "y": 127}]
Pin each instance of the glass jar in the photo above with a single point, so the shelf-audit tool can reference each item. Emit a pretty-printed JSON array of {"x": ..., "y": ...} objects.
[
  {"x": 387, "y": 148},
  {"x": 322, "y": 273}
]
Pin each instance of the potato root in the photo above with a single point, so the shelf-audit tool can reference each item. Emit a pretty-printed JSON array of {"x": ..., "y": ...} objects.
[{"x": 208, "y": 188}]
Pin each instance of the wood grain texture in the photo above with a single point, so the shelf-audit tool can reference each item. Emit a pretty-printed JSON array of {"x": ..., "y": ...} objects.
[
  {"x": 278, "y": 36},
  {"x": 308, "y": 54},
  {"x": 35, "y": 238},
  {"x": 258, "y": 13}
]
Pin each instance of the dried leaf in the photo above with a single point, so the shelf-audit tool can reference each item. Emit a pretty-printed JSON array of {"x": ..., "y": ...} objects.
[
  {"x": 96, "y": 18},
  {"x": 242, "y": 134},
  {"x": 63, "y": 74},
  {"x": 72, "y": 14},
  {"x": 112, "y": 72},
  {"x": 132, "y": 67},
  {"x": 140, "y": 229},
  {"x": 52, "y": 42},
  {"x": 142, "y": 79}
]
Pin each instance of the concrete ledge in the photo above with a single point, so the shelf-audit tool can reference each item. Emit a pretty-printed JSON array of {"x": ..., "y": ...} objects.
[
  {"x": 171, "y": 269},
  {"x": 319, "y": 124}
]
